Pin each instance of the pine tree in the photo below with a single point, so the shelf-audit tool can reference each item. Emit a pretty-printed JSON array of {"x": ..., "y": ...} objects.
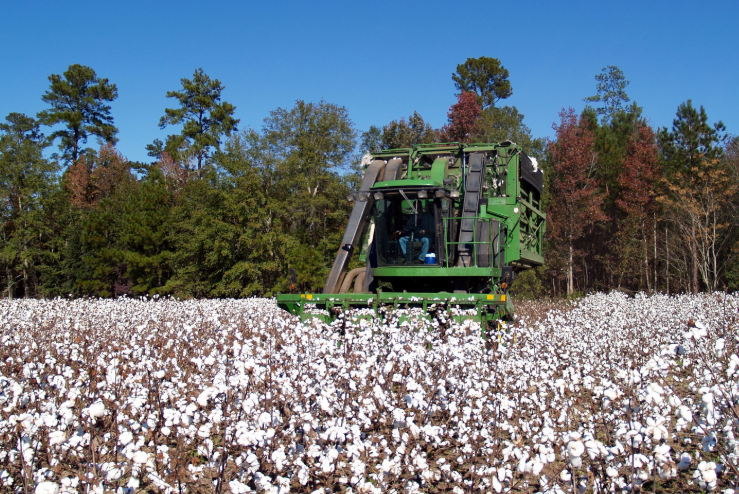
[
  {"x": 78, "y": 101},
  {"x": 611, "y": 92},
  {"x": 484, "y": 76},
  {"x": 204, "y": 119},
  {"x": 691, "y": 149}
]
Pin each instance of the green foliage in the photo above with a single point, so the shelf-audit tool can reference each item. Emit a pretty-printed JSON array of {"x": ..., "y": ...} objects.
[
  {"x": 484, "y": 76},
  {"x": 691, "y": 139},
  {"x": 204, "y": 119},
  {"x": 398, "y": 134},
  {"x": 26, "y": 182},
  {"x": 611, "y": 92},
  {"x": 145, "y": 235},
  {"x": 621, "y": 216},
  {"x": 78, "y": 101},
  {"x": 506, "y": 124},
  {"x": 529, "y": 285},
  {"x": 102, "y": 254},
  {"x": 371, "y": 140}
]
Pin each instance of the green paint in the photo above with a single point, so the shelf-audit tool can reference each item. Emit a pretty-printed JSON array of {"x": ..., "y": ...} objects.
[{"x": 508, "y": 202}]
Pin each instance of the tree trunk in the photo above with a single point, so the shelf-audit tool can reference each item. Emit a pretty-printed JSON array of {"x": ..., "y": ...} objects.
[
  {"x": 10, "y": 282},
  {"x": 667, "y": 263},
  {"x": 654, "y": 231},
  {"x": 646, "y": 259},
  {"x": 570, "y": 280},
  {"x": 694, "y": 255}
]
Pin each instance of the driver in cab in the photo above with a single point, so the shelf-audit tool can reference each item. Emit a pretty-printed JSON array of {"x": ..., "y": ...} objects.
[{"x": 420, "y": 227}]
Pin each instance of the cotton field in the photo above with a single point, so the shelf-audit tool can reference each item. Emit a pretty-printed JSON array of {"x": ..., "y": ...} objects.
[{"x": 608, "y": 394}]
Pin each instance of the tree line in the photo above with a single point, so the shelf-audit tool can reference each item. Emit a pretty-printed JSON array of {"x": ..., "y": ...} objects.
[{"x": 226, "y": 212}]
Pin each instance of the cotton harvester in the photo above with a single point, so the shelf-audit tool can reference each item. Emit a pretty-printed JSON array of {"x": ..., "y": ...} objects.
[{"x": 440, "y": 225}]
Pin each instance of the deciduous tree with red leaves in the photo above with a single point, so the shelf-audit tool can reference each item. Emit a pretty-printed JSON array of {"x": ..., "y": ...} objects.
[
  {"x": 462, "y": 119},
  {"x": 636, "y": 201},
  {"x": 575, "y": 202}
]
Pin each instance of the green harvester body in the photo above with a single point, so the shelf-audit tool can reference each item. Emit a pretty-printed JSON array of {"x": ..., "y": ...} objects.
[{"x": 441, "y": 227}]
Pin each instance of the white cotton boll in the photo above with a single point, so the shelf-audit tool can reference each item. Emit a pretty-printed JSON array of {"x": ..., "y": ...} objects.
[
  {"x": 114, "y": 474},
  {"x": 279, "y": 457},
  {"x": 656, "y": 428},
  {"x": 719, "y": 346},
  {"x": 96, "y": 410},
  {"x": 388, "y": 368},
  {"x": 674, "y": 401},
  {"x": 253, "y": 462},
  {"x": 684, "y": 461},
  {"x": 57, "y": 437},
  {"x": 709, "y": 443},
  {"x": 575, "y": 449},
  {"x": 166, "y": 430},
  {"x": 705, "y": 475},
  {"x": 47, "y": 488},
  {"x": 497, "y": 485},
  {"x": 265, "y": 419},
  {"x": 205, "y": 430},
  {"x": 612, "y": 472},
  {"x": 125, "y": 438},
  {"x": 572, "y": 436},
  {"x": 666, "y": 472},
  {"x": 239, "y": 488},
  {"x": 662, "y": 452},
  {"x": 140, "y": 457},
  {"x": 685, "y": 413},
  {"x": 565, "y": 476},
  {"x": 205, "y": 396},
  {"x": 591, "y": 447}
]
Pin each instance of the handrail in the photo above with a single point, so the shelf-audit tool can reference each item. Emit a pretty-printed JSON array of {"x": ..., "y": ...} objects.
[{"x": 474, "y": 243}]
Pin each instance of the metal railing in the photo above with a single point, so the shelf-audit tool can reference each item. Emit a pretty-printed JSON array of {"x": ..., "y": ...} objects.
[{"x": 452, "y": 227}]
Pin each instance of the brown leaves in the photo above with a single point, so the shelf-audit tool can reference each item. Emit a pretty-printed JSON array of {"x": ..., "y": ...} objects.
[
  {"x": 89, "y": 183},
  {"x": 576, "y": 199},
  {"x": 463, "y": 118}
]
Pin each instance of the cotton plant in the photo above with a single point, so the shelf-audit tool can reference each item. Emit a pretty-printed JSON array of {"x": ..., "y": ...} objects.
[{"x": 610, "y": 393}]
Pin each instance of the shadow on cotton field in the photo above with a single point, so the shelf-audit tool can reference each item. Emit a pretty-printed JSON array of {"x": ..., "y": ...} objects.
[{"x": 606, "y": 394}]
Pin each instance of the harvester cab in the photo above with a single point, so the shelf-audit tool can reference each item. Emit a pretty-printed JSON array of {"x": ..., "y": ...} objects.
[{"x": 444, "y": 225}]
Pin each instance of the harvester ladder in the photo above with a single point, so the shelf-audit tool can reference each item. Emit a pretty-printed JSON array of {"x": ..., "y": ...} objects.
[{"x": 470, "y": 211}]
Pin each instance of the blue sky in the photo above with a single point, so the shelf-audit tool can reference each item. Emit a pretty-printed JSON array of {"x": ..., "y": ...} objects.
[{"x": 382, "y": 60}]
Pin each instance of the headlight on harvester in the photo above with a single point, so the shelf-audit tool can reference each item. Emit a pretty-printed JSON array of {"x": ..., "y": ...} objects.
[
  {"x": 422, "y": 194},
  {"x": 351, "y": 197},
  {"x": 379, "y": 196},
  {"x": 454, "y": 194},
  {"x": 440, "y": 193}
]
